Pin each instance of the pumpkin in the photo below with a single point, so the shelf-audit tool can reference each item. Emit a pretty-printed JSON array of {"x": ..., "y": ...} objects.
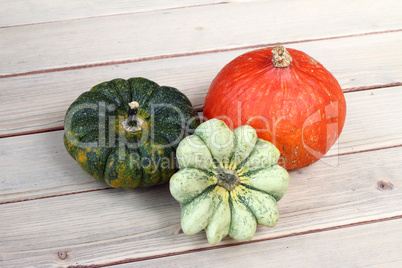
[
  {"x": 228, "y": 182},
  {"x": 125, "y": 132},
  {"x": 287, "y": 96}
]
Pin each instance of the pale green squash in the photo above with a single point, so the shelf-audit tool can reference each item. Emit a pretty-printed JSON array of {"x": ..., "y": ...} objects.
[{"x": 228, "y": 182}]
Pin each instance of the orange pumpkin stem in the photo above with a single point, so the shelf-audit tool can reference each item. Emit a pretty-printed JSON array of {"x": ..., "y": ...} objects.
[{"x": 281, "y": 57}]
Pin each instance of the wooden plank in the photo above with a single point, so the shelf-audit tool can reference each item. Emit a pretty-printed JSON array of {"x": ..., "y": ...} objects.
[
  {"x": 35, "y": 166},
  {"x": 370, "y": 121},
  {"x": 21, "y": 12},
  {"x": 356, "y": 62},
  {"x": 136, "y": 36},
  {"x": 111, "y": 226},
  {"x": 371, "y": 245}
]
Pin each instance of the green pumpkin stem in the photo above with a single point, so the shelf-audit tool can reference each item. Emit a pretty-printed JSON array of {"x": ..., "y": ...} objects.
[
  {"x": 227, "y": 178},
  {"x": 132, "y": 123},
  {"x": 132, "y": 114}
]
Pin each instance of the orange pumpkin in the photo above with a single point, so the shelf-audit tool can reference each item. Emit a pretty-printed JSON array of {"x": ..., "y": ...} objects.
[{"x": 287, "y": 96}]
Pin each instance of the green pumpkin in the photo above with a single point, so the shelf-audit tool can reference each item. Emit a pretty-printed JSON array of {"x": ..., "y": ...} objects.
[
  {"x": 228, "y": 182},
  {"x": 125, "y": 132}
]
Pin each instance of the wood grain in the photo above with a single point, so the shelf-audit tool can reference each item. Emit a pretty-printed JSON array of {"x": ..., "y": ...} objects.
[
  {"x": 129, "y": 37},
  {"x": 368, "y": 124},
  {"x": 36, "y": 166},
  {"x": 14, "y": 13},
  {"x": 111, "y": 226},
  {"x": 370, "y": 245},
  {"x": 356, "y": 62},
  {"x": 343, "y": 211}
]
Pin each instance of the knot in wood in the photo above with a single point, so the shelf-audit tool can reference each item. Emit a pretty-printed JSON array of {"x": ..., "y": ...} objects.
[
  {"x": 384, "y": 186},
  {"x": 62, "y": 255}
]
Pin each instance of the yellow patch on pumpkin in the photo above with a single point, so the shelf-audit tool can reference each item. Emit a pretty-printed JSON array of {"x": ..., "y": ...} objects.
[
  {"x": 69, "y": 145},
  {"x": 82, "y": 158},
  {"x": 115, "y": 183}
]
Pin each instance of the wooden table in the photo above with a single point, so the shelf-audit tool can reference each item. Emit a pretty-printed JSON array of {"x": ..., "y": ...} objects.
[{"x": 343, "y": 211}]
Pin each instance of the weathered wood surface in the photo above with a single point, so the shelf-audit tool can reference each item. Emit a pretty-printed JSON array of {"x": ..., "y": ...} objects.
[
  {"x": 343, "y": 211},
  {"x": 371, "y": 245},
  {"x": 33, "y": 12},
  {"x": 129, "y": 37},
  {"x": 110, "y": 225},
  {"x": 51, "y": 171},
  {"x": 357, "y": 63}
]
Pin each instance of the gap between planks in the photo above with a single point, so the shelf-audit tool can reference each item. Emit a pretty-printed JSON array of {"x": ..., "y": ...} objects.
[
  {"x": 110, "y": 188},
  {"x": 173, "y": 254},
  {"x": 373, "y": 240},
  {"x": 301, "y": 214},
  {"x": 48, "y": 116},
  {"x": 199, "y": 110},
  {"x": 127, "y": 37},
  {"x": 51, "y": 160},
  {"x": 122, "y": 62},
  {"x": 72, "y": 5}
]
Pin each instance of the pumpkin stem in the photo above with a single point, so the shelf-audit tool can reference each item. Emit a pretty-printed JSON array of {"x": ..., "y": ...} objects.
[
  {"x": 281, "y": 57},
  {"x": 132, "y": 114},
  {"x": 227, "y": 178},
  {"x": 132, "y": 122}
]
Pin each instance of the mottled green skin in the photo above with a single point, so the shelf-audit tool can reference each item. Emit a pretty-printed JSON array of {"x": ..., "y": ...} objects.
[
  {"x": 231, "y": 204},
  {"x": 95, "y": 138}
]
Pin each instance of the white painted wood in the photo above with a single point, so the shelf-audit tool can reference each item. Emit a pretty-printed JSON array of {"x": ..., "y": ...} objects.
[
  {"x": 356, "y": 62},
  {"x": 34, "y": 166},
  {"x": 371, "y": 245},
  {"x": 181, "y": 31},
  {"x": 110, "y": 226},
  {"x": 371, "y": 121},
  {"x": 13, "y": 13},
  {"x": 53, "y": 215}
]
